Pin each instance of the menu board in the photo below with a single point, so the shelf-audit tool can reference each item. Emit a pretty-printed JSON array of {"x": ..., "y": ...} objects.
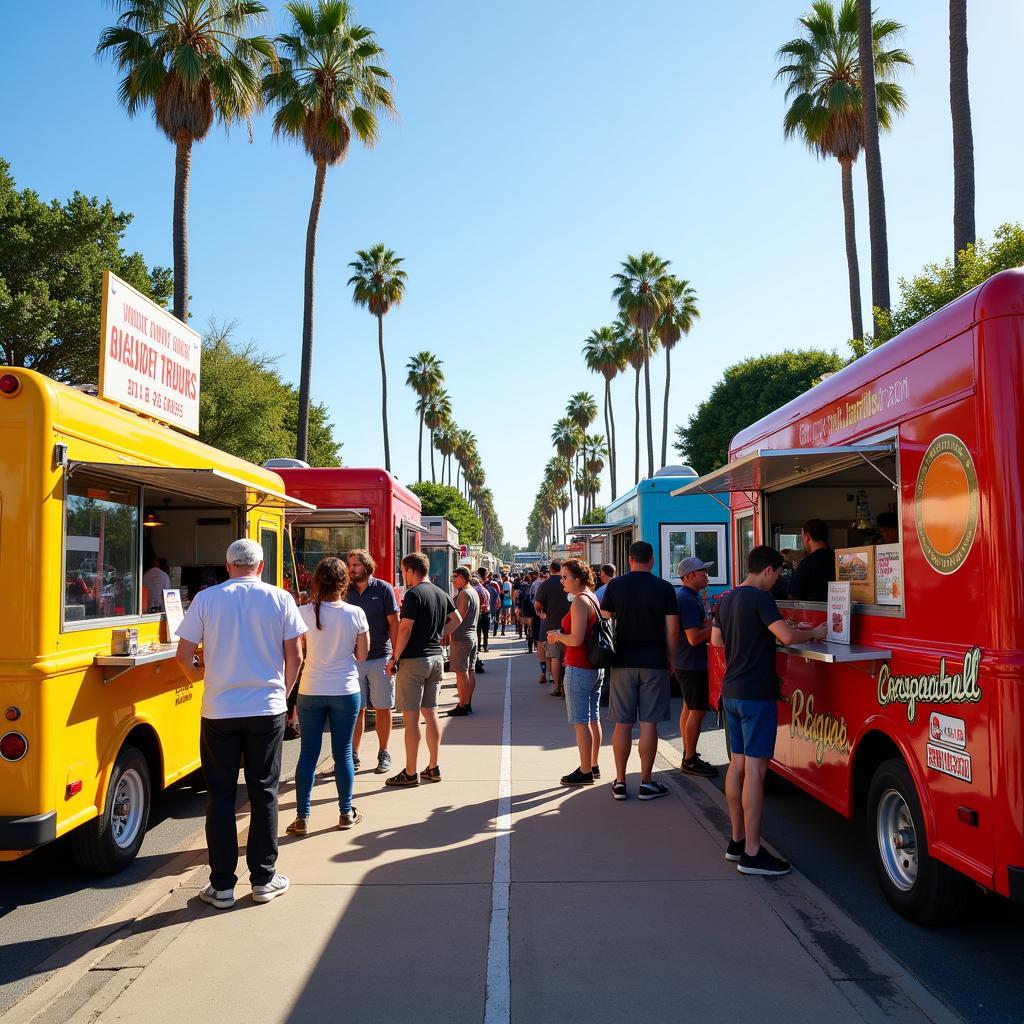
[
  {"x": 856, "y": 566},
  {"x": 889, "y": 574},
  {"x": 839, "y": 602},
  {"x": 174, "y": 612}
]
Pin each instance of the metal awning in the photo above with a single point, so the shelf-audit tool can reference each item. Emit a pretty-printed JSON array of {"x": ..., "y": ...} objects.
[
  {"x": 589, "y": 529},
  {"x": 213, "y": 485},
  {"x": 415, "y": 527},
  {"x": 330, "y": 516},
  {"x": 771, "y": 469}
]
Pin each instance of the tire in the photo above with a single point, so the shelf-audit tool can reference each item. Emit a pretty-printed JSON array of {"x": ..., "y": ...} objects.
[
  {"x": 916, "y": 885},
  {"x": 111, "y": 841}
]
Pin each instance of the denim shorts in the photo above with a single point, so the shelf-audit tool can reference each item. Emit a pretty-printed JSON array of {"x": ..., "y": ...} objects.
[
  {"x": 582, "y": 694},
  {"x": 751, "y": 725}
]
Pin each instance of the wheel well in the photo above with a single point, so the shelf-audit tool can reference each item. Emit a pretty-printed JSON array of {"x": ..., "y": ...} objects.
[
  {"x": 144, "y": 737},
  {"x": 873, "y": 750}
]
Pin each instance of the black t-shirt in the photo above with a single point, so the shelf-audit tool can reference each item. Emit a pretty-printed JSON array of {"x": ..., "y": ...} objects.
[
  {"x": 428, "y": 606},
  {"x": 640, "y": 601},
  {"x": 813, "y": 575},
  {"x": 554, "y": 600},
  {"x": 744, "y": 616}
]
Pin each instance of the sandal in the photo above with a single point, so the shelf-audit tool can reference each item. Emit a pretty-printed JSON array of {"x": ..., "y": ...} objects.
[{"x": 403, "y": 778}]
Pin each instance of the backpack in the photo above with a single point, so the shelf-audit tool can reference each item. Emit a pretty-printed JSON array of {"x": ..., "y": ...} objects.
[
  {"x": 600, "y": 641},
  {"x": 485, "y": 600}
]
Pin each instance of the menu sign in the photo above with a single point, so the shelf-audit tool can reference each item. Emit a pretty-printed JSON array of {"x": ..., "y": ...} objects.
[
  {"x": 888, "y": 574},
  {"x": 839, "y": 613},
  {"x": 174, "y": 612},
  {"x": 857, "y": 566},
  {"x": 149, "y": 360}
]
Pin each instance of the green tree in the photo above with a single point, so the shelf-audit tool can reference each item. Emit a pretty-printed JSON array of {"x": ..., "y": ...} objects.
[
  {"x": 747, "y": 391},
  {"x": 192, "y": 62},
  {"x": 822, "y": 73},
  {"x": 604, "y": 355},
  {"x": 439, "y": 500},
  {"x": 327, "y": 85},
  {"x": 52, "y": 258},
  {"x": 678, "y": 314},
  {"x": 378, "y": 284},
  {"x": 423, "y": 375},
  {"x": 595, "y": 515}
]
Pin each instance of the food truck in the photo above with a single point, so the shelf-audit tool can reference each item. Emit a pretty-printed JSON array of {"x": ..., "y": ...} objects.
[
  {"x": 97, "y": 717},
  {"x": 356, "y": 508},
  {"x": 441, "y": 546},
  {"x": 676, "y": 529},
  {"x": 918, "y": 721}
]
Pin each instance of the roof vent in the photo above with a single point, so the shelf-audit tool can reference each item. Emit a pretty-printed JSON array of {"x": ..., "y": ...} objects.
[
  {"x": 288, "y": 464},
  {"x": 677, "y": 471}
]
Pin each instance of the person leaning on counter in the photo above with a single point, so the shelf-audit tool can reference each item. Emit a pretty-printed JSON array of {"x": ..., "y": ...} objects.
[{"x": 817, "y": 569}]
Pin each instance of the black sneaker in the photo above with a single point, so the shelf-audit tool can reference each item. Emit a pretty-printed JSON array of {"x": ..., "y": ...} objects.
[
  {"x": 762, "y": 863},
  {"x": 480, "y": 668},
  {"x": 619, "y": 790},
  {"x": 652, "y": 790},
  {"x": 698, "y": 766},
  {"x": 734, "y": 850},
  {"x": 578, "y": 778},
  {"x": 596, "y": 772},
  {"x": 469, "y": 708},
  {"x": 355, "y": 761},
  {"x": 458, "y": 711},
  {"x": 431, "y": 774}
]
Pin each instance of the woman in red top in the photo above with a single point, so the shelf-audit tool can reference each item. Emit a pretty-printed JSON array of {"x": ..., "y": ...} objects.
[{"x": 582, "y": 681}]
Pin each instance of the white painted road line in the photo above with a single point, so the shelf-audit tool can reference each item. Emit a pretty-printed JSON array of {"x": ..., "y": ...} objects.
[{"x": 498, "y": 998}]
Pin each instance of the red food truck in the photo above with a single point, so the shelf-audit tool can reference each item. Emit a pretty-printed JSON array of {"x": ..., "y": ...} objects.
[
  {"x": 355, "y": 508},
  {"x": 918, "y": 722}
]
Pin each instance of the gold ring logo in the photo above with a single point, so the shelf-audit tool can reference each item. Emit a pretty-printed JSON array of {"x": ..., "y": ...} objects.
[{"x": 946, "y": 503}]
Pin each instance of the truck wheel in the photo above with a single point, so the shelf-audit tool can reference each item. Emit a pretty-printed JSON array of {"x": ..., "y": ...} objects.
[
  {"x": 921, "y": 888},
  {"x": 111, "y": 841}
]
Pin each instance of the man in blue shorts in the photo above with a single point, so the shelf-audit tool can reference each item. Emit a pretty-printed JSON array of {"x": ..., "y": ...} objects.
[{"x": 749, "y": 623}]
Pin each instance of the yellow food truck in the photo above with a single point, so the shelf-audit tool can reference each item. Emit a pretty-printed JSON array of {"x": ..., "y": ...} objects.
[{"x": 99, "y": 508}]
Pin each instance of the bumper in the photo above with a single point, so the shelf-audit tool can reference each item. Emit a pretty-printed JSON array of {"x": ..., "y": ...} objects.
[{"x": 28, "y": 833}]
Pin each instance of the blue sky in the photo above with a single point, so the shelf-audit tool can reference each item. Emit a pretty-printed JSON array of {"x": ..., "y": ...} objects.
[{"x": 538, "y": 144}]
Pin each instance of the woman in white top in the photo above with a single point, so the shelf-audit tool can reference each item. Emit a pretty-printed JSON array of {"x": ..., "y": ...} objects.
[{"x": 338, "y": 637}]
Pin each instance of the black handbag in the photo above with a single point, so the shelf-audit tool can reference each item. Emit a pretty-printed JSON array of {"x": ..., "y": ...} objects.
[{"x": 600, "y": 641}]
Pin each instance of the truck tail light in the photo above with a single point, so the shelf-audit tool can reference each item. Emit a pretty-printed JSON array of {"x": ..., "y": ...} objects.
[
  {"x": 72, "y": 789},
  {"x": 10, "y": 385},
  {"x": 12, "y": 714},
  {"x": 13, "y": 746}
]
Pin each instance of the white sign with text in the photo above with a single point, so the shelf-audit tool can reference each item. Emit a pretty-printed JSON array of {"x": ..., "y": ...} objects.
[{"x": 839, "y": 613}]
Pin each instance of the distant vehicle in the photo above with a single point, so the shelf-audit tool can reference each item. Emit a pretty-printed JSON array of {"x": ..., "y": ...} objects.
[{"x": 527, "y": 559}]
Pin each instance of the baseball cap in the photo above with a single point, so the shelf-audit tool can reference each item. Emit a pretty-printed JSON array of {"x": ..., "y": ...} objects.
[{"x": 692, "y": 564}]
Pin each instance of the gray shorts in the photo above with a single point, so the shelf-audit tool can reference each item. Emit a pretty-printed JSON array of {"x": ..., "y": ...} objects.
[
  {"x": 417, "y": 682},
  {"x": 638, "y": 694},
  {"x": 463, "y": 655},
  {"x": 376, "y": 684},
  {"x": 555, "y": 652}
]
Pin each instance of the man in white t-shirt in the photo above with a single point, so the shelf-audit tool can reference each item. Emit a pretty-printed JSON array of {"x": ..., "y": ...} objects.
[
  {"x": 156, "y": 581},
  {"x": 251, "y": 654}
]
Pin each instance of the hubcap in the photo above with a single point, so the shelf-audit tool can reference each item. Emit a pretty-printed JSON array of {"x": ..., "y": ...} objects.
[
  {"x": 127, "y": 809},
  {"x": 897, "y": 840}
]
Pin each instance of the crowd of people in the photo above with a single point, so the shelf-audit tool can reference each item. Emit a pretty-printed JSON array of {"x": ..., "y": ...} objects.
[{"x": 351, "y": 647}]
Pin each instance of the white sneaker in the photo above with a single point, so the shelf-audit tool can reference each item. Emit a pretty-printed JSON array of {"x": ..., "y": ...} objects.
[
  {"x": 277, "y": 886},
  {"x": 219, "y": 898}
]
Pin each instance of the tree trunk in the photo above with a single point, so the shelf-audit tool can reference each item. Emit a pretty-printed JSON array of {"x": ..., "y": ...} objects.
[
  {"x": 182, "y": 174},
  {"x": 433, "y": 477},
  {"x": 306, "y": 369},
  {"x": 963, "y": 135},
  {"x": 612, "y": 446},
  {"x": 563, "y": 523},
  {"x": 419, "y": 452},
  {"x": 384, "y": 394},
  {"x": 852, "y": 266},
  {"x": 647, "y": 401},
  {"x": 636, "y": 402},
  {"x": 664, "y": 426},
  {"x": 873, "y": 168}
]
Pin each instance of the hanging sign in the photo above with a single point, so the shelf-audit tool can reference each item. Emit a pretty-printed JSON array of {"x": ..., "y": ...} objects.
[{"x": 149, "y": 360}]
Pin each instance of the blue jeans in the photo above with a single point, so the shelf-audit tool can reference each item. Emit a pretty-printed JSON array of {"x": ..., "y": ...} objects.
[{"x": 341, "y": 712}]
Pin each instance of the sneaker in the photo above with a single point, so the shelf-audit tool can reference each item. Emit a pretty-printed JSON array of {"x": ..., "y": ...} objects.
[
  {"x": 578, "y": 778},
  {"x": 403, "y": 778},
  {"x": 762, "y": 863},
  {"x": 652, "y": 790},
  {"x": 697, "y": 766},
  {"x": 383, "y": 763},
  {"x": 619, "y": 790},
  {"x": 297, "y": 827},
  {"x": 277, "y": 886},
  {"x": 458, "y": 711},
  {"x": 291, "y": 731},
  {"x": 734, "y": 850},
  {"x": 219, "y": 898},
  {"x": 480, "y": 668},
  {"x": 596, "y": 772},
  {"x": 355, "y": 761},
  {"x": 431, "y": 774},
  {"x": 348, "y": 820}
]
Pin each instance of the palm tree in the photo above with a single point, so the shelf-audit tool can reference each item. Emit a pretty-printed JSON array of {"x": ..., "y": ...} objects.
[
  {"x": 640, "y": 292},
  {"x": 566, "y": 436},
  {"x": 823, "y": 82},
  {"x": 436, "y": 412},
  {"x": 963, "y": 134},
  {"x": 444, "y": 439},
  {"x": 329, "y": 84},
  {"x": 677, "y": 317},
  {"x": 378, "y": 284},
  {"x": 604, "y": 355},
  {"x": 423, "y": 375},
  {"x": 192, "y": 61},
  {"x": 633, "y": 349}
]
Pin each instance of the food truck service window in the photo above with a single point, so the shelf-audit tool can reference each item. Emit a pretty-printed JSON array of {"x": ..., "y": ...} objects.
[
  {"x": 705, "y": 540},
  {"x": 311, "y": 543},
  {"x": 101, "y": 550}
]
